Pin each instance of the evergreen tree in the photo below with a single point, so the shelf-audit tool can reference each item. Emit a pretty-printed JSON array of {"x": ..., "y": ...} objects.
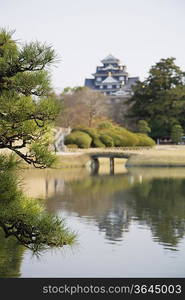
[
  {"x": 176, "y": 134},
  {"x": 143, "y": 127},
  {"x": 160, "y": 99},
  {"x": 25, "y": 218},
  {"x": 26, "y": 110}
]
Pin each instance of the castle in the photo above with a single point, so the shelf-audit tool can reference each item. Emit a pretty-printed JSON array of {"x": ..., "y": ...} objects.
[{"x": 112, "y": 78}]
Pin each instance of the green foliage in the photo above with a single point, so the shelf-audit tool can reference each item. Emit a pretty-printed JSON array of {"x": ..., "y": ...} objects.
[
  {"x": 119, "y": 140},
  {"x": 107, "y": 140},
  {"x": 25, "y": 218},
  {"x": 11, "y": 257},
  {"x": 108, "y": 136},
  {"x": 121, "y": 137},
  {"x": 145, "y": 140},
  {"x": 70, "y": 90},
  {"x": 92, "y": 132},
  {"x": 97, "y": 143},
  {"x": 128, "y": 138},
  {"x": 44, "y": 157},
  {"x": 154, "y": 204},
  {"x": 27, "y": 111},
  {"x": 81, "y": 139},
  {"x": 8, "y": 162},
  {"x": 177, "y": 133},
  {"x": 105, "y": 125},
  {"x": 143, "y": 127},
  {"x": 160, "y": 99}
]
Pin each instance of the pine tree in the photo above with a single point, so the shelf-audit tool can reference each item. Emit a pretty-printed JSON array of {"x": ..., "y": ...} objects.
[{"x": 27, "y": 112}]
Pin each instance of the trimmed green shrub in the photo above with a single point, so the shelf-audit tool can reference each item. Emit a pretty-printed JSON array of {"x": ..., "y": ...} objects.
[
  {"x": 108, "y": 135},
  {"x": 92, "y": 132},
  {"x": 96, "y": 143},
  {"x": 81, "y": 139},
  {"x": 128, "y": 138},
  {"x": 105, "y": 125},
  {"x": 107, "y": 140},
  {"x": 120, "y": 141},
  {"x": 145, "y": 140},
  {"x": 120, "y": 136},
  {"x": 132, "y": 139}
]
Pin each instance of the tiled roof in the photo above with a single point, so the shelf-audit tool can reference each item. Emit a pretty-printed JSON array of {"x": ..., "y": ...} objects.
[
  {"x": 111, "y": 58},
  {"x": 110, "y": 79},
  {"x": 110, "y": 67}
]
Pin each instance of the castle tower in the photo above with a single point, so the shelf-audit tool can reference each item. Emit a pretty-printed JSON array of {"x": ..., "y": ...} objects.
[{"x": 110, "y": 78}]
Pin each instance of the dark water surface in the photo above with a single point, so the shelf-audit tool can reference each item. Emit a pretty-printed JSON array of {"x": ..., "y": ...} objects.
[{"x": 131, "y": 224}]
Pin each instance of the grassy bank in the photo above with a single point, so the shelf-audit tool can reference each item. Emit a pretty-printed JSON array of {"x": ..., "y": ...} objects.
[
  {"x": 72, "y": 161},
  {"x": 159, "y": 156},
  {"x": 173, "y": 156}
]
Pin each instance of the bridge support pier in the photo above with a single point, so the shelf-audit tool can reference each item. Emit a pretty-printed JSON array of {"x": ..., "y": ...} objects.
[
  {"x": 95, "y": 166},
  {"x": 111, "y": 165}
]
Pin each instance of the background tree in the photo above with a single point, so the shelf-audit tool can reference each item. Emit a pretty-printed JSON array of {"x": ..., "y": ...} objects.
[
  {"x": 177, "y": 133},
  {"x": 143, "y": 127},
  {"x": 27, "y": 112},
  {"x": 82, "y": 107},
  {"x": 160, "y": 99}
]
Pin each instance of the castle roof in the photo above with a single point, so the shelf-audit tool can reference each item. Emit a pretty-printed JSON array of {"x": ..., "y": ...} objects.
[
  {"x": 110, "y": 59},
  {"x": 110, "y": 79},
  {"x": 110, "y": 67}
]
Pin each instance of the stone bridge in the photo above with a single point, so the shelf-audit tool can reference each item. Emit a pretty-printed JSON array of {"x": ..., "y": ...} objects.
[{"x": 111, "y": 153}]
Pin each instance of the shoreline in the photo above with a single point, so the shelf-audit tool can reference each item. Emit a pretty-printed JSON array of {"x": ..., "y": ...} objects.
[{"x": 157, "y": 157}]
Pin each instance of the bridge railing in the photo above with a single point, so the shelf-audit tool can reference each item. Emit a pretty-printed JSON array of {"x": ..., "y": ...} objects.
[{"x": 111, "y": 149}]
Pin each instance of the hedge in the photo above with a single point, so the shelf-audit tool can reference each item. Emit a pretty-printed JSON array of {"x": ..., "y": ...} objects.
[
  {"x": 145, "y": 140},
  {"x": 107, "y": 140},
  {"x": 96, "y": 143},
  {"x": 81, "y": 139},
  {"x": 107, "y": 135}
]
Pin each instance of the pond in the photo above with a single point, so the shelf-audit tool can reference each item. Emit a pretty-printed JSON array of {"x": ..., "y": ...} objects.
[{"x": 130, "y": 224}]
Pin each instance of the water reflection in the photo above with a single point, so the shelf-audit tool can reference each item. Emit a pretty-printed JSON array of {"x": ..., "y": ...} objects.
[
  {"x": 11, "y": 255},
  {"x": 160, "y": 204},
  {"x": 128, "y": 224},
  {"x": 153, "y": 198},
  {"x": 24, "y": 222}
]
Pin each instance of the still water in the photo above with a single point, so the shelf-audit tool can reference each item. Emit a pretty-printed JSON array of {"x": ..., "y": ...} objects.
[{"x": 130, "y": 224}]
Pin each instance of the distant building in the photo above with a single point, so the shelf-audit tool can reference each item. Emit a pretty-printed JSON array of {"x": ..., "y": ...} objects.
[{"x": 112, "y": 78}]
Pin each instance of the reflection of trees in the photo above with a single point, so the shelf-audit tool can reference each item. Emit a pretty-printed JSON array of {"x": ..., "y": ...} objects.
[
  {"x": 115, "y": 220},
  {"x": 89, "y": 197},
  {"x": 112, "y": 201},
  {"x": 24, "y": 219},
  {"x": 94, "y": 198},
  {"x": 10, "y": 257},
  {"x": 160, "y": 204}
]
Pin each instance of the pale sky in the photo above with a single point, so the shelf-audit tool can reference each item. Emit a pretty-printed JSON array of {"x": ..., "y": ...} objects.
[{"x": 138, "y": 32}]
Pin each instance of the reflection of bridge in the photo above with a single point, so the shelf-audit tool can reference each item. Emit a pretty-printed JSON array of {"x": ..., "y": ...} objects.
[{"x": 111, "y": 153}]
